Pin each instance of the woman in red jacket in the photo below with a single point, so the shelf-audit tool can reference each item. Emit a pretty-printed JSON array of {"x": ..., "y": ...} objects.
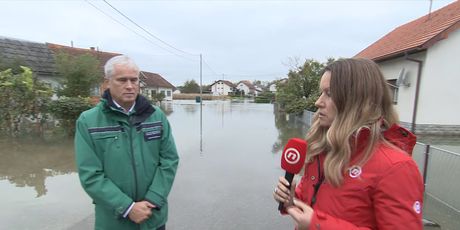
[{"x": 359, "y": 173}]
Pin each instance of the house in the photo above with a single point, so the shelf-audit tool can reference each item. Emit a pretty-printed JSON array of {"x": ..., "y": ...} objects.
[
  {"x": 34, "y": 55},
  {"x": 101, "y": 56},
  {"x": 222, "y": 87},
  {"x": 152, "y": 83},
  {"x": 420, "y": 60},
  {"x": 248, "y": 88},
  {"x": 177, "y": 91},
  {"x": 272, "y": 87}
]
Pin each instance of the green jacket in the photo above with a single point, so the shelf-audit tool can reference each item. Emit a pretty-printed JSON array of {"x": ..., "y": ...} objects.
[{"x": 125, "y": 158}]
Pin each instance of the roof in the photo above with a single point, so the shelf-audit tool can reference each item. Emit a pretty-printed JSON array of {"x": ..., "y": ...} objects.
[
  {"x": 229, "y": 83},
  {"x": 155, "y": 80},
  {"x": 248, "y": 83},
  {"x": 416, "y": 35},
  {"x": 35, "y": 55},
  {"x": 101, "y": 56}
]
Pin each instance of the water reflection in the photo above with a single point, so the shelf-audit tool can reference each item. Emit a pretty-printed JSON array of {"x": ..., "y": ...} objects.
[
  {"x": 29, "y": 164},
  {"x": 167, "y": 107},
  {"x": 287, "y": 127}
]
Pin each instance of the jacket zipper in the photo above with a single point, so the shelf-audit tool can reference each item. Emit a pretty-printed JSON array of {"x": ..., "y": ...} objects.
[{"x": 133, "y": 163}]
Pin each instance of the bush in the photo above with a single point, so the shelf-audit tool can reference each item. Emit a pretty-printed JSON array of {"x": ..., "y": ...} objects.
[
  {"x": 67, "y": 110},
  {"x": 21, "y": 97}
]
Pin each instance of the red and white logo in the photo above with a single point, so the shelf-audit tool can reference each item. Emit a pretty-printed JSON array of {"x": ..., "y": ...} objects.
[
  {"x": 417, "y": 207},
  {"x": 355, "y": 171},
  {"x": 292, "y": 156}
]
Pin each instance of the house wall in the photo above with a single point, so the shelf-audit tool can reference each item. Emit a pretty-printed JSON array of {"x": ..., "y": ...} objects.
[
  {"x": 405, "y": 94},
  {"x": 220, "y": 88},
  {"x": 272, "y": 88},
  {"x": 438, "y": 103},
  {"x": 243, "y": 87},
  {"x": 440, "y": 88},
  {"x": 147, "y": 91}
]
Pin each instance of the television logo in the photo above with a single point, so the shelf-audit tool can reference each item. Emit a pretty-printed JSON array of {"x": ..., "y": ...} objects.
[{"x": 291, "y": 156}]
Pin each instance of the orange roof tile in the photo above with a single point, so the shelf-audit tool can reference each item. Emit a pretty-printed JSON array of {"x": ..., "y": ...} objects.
[
  {"x": 416, "y": 35},
  {"x": 101, "y": 56}
]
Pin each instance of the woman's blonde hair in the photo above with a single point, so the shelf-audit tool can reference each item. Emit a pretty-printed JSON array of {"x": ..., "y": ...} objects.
[{"x": 363, "y": 101}]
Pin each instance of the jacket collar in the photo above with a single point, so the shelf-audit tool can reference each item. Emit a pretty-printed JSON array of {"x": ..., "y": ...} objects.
[
  {"x": 142, "y": 110},
  {"x": 401, "y": 137},
  {"x": 396, "y": 135}
]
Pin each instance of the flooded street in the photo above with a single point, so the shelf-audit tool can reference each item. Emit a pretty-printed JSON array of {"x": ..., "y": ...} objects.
[
  {"x": 224, "y": 181},
  {"x": 39, "y": 186},
  {"x": 228, "y": 168}
]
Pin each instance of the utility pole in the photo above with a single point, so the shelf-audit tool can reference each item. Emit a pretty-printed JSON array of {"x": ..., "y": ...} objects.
[{"x": 201, "y": 104}]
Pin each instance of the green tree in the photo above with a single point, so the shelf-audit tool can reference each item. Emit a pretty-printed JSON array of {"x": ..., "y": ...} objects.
[
  {"x": 21, "y": 96},
  {"x": 190, "y": 86},
  {"x": 79, "y": 74},
  {"x": 301, "y": 89},
  {"x": 67, "y": 110},
  {"x": 158, "y": 97}
]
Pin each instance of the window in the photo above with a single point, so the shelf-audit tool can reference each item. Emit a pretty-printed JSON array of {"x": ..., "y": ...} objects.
[
  {"x": 168, "y": 93},
  {"x": 163, "y": 92},
  {"x": 394, "y": 90}
]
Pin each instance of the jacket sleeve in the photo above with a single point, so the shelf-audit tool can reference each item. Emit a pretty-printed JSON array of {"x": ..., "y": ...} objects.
[
  {"x": 398, "y": 199},
  {"x": 91, "y": 172},
  {"x": 166, "y": 171},
  {"x": 397, "y": 202}
]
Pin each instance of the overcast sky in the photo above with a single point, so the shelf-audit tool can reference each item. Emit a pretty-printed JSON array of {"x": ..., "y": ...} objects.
[{"x": 239, "y": 40}]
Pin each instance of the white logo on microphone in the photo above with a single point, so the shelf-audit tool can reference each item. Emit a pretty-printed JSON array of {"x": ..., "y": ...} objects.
[{"x": 292, "y": 156}]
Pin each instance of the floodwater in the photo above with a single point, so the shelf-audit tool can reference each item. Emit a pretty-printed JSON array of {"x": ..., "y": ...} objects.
[{"x": 229, "y": 165}]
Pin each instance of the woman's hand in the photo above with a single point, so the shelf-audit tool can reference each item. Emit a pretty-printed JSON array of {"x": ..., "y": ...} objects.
[
  {"x": 282, "y": 193},
  {"x": 301, "y": 213}
]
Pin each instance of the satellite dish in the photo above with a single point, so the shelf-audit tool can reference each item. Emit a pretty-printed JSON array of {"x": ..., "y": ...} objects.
[{"x": 402, "y": 78}]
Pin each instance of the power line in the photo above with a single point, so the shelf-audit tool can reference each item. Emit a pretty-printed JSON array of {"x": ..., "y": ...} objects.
[
  {"x": 140, "y": 35},
  {"x": 212, "y": 70},
  {"x": 129, "y": 19}
]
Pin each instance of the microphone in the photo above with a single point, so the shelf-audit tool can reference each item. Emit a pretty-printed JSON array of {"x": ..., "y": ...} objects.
[{"x": 292, "y": 160}]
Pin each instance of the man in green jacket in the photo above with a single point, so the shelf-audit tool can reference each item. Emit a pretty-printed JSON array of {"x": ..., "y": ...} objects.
[{"x": 125, "y": 153}]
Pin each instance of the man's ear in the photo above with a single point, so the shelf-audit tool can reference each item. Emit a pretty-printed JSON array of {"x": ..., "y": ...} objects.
[{"x": 105, "y": 84}]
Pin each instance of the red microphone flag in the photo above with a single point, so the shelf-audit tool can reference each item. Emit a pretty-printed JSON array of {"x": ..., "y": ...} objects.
[{"x": 293, "y": 157}]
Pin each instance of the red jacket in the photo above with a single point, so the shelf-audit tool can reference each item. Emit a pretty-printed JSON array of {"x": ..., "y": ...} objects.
[{"x": 385, "y": 193}]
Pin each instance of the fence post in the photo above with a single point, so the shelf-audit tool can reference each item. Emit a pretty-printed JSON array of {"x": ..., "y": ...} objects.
[{"x": 425, "y": 166}]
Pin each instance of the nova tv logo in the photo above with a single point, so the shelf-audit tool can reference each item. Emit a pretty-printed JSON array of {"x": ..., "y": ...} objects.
[{"x": 292, "y": 156}]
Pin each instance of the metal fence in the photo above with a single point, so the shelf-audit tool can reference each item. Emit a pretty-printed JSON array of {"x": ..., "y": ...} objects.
[{"x": 441, "y": 173}]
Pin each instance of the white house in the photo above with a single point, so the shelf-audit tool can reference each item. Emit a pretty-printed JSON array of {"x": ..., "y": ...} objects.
[
  {"x": 421, "y": 59},
  {"x": 152, "y": 83},
  {"x": 272, "y": 88},
  {"x": 222, "y": 87},
  {"x": 248, "y": 88}
]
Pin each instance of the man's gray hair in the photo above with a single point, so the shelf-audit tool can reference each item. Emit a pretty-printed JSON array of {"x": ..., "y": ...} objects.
[{"x": 124, "y": 60}]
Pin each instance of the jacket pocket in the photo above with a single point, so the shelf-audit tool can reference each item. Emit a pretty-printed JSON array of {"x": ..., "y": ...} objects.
[{"x": 104, "y": 142}]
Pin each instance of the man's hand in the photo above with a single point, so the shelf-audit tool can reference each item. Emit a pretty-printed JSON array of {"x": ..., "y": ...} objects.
[{"x": 141, "y": 211}]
